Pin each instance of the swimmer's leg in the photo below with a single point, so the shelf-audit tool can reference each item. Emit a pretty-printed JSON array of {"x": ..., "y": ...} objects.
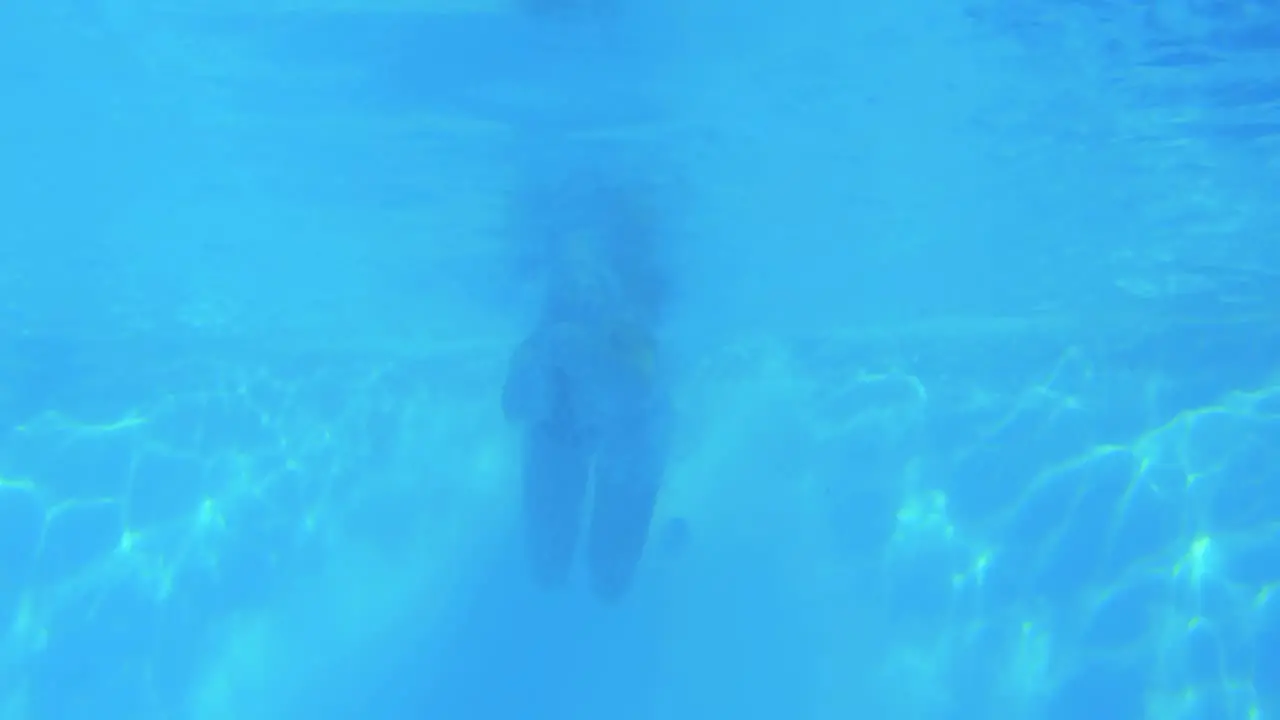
[
  {"x": 627, "y": 479},
  {"x": 554, "y": 483}
]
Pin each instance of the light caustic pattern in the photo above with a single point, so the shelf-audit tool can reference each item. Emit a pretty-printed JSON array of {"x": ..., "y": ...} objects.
[
  {"x": 1043, "y": 533},
  {"x": 145, "y": 541},
  {"x": 1090, "y": 540}
]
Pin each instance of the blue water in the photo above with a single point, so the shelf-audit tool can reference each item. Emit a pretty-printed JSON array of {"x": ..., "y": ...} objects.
[{"x": 967, "y": 313}]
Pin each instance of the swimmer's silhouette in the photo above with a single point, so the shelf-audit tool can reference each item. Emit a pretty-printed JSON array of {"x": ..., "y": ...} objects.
[{"x": 584, "y": 388}]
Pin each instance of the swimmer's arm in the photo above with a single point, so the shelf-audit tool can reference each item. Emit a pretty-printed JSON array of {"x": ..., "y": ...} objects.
[{"x": 526, "y": 393}]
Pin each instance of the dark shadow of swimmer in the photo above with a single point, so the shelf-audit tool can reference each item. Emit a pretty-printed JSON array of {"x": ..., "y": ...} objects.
[{"x": 594, "y": 421}]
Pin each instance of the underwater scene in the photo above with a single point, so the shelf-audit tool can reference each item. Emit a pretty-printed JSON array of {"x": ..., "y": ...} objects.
[{"x": 639, "y": 360}]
